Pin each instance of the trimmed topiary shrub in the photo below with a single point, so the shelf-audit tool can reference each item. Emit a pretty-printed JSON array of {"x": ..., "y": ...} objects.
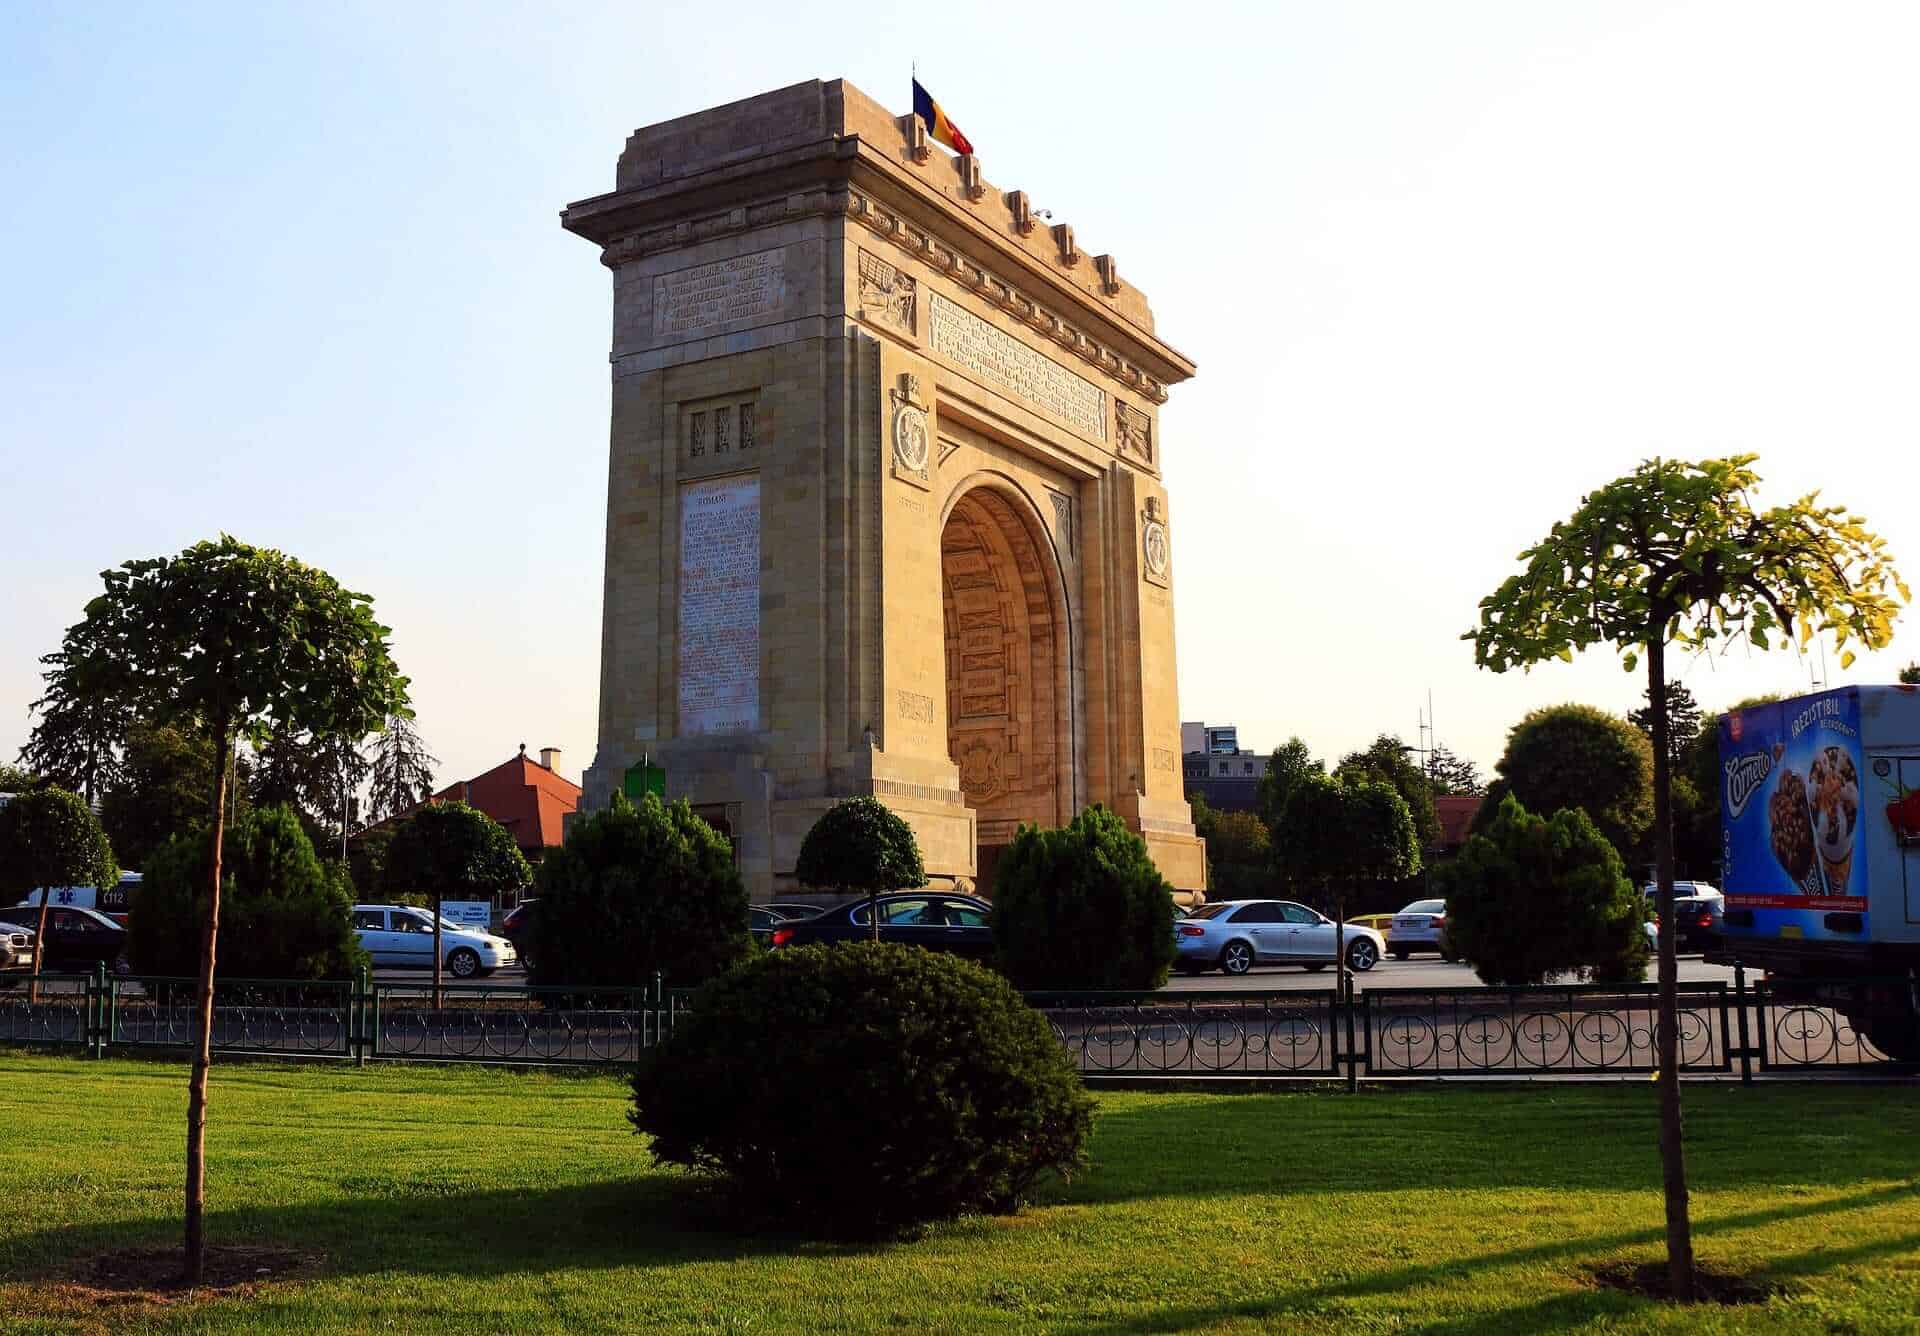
[
  {"x": 861, "y": 845},
  {"x": 1082, "y": 907},
  {"x": 864, "y": 1089},
  {"x": 1536, "y": 897},
  {"x": 635, "y": 890},
  {"x": 283, "y": 913}
]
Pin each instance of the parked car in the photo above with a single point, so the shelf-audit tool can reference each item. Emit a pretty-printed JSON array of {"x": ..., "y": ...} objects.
[
  {"x": 1421, "y": 926},
  {"x": 956, "y": 923},
  {"x": 402, "y": 936},
  {"x": 1699, "y": 910},
  {"x": 1235, "y": 935},
  {"x": 761, "y": 922},
  {"x": 788, "y": 909},
  {"x": 517, "y": 927},
  {"x": 77, "y": 939},
  {"x": 16, "y": 947}
]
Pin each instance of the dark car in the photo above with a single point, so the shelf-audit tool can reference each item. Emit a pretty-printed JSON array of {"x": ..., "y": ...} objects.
[
  {"x": 956, "y": 923},
  {"x": 517, "y": 927},
  {"x": 792, "y": 909},
  {"x": 76, "y": 939},
  {"x": 761, "y": 922},
  {"x": 1698, "y": 912}
]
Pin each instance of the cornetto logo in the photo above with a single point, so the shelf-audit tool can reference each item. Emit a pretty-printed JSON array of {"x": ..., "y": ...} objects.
[{"x": 1745, "y": 775}]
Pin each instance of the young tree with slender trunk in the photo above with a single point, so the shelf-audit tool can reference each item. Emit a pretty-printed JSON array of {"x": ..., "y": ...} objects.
[
  {"x": 49, "y": 838},
  {"x": 1677, "y": 554},
  {"x": 453, "y": 847},
  {"x": 236, "y": 641}
]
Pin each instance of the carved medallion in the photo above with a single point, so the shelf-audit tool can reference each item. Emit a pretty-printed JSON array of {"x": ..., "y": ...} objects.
[
  {"x": 910, "y": 439},
  {"x": 979, "y": 771},
  {"x": 1153, "y": 540}
]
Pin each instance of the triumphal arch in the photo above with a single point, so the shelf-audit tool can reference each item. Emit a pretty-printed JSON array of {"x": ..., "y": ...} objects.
[{"x": 884, "y": 509}]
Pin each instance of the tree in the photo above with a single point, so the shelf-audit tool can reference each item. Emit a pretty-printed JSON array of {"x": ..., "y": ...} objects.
[
  {"x": 319, "y": 776},
  {"x": 1910, "y": 675},
  {"x": 1342, "y": 836},
  {"x": 284, "y": 914},
  {"x": 1390, "y": 761},
  {"x": 861, "y": 845},
  {"x": 1683, "y": 720},
  {"x": 402, "y": 770},
  {"x": 1537, "y": 897},
  {"x": 1678, "y": 553},
  {"x": 453, "y": 848},
  {"x": 1449, "y": 773},
  {"x": 1577, "y": 756},
  {"x": 1082, "y": 907},
  {"x": 1239, "y": 854},
  {"x": 76, "y": 743},
  {"x": 635, "y": 891},
  {"x": 160, "y": 789},
  {"x": 49, "y": 838},
  {"x": 1290, "y": 764},
  {"x": 14, "y": 779},
  {"x": 236, "y": 641}
]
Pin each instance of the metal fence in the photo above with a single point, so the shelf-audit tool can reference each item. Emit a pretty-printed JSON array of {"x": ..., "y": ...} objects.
[{"x": 1769, "y": 1027}]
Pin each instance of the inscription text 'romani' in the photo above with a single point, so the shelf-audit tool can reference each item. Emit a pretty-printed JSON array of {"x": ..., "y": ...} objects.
[
  {"x": 1004, "y": 361},
  {"x": 692, "y": 302}
]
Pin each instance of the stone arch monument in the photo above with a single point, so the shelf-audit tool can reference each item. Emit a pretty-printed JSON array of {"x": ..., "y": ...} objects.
[{"x": 884, "y": 511}]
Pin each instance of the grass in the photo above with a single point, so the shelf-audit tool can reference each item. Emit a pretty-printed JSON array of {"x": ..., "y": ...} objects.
[{"x": 479, "y": 1200}]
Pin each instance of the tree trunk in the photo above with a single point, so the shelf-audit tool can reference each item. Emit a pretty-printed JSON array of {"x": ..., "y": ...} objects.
[
  {"x": 39, "y": 947},
  {"x": 196, "y": 1241},
  {"x": 1342, "y": 985},
  {"x": 438, "y": 1002},
  {"x": 873, "y": 917},
  {"x": 1673, "y": 1163}
]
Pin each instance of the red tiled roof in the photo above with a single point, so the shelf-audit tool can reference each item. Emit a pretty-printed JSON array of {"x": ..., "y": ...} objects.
[{"x": 522, "y": 795}]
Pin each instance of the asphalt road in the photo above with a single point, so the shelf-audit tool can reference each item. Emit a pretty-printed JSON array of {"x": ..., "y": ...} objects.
[{"x": 1418, "y": 972}]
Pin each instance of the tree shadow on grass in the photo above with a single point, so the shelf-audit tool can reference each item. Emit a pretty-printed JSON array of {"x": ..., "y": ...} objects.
[
  {"x": 410, "y": 1225},
  {"x": 1497, "y": 1140},
  {"x": 1555, "y": 1313}
]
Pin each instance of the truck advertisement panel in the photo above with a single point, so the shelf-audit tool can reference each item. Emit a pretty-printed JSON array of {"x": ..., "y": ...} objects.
[{"x": 1790, "y": 813}]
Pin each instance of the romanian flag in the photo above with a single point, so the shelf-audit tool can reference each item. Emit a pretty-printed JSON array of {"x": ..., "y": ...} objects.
[{"x": 943, "y": 130}]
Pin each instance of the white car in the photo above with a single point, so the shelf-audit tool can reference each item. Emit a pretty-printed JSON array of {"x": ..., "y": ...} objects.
[
  {"x": 16, "y": 947},
  {"x": 1421, "y": 926},
  {"x": 1235, "y": 935},
  {"x": 401, "y": 936}
]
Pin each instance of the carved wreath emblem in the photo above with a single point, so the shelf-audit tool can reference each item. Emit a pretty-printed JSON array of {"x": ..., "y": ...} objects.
[
  {"x": 910, "y": 438},
  {"x": 1153, "y": 540},
  {"x": 979, "y": 771}
]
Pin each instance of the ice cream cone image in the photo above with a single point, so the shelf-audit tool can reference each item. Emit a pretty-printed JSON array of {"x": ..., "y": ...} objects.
[
  {"x": 1837, "y": 873},
  {"x": 1834, "y": 795}
]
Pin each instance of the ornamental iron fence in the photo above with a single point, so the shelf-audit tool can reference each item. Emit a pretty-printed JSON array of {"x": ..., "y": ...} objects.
[{"x": 1771, "y": 1027}]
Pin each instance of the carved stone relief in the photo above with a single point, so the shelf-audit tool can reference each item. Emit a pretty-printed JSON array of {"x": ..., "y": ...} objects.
[
  {"x": 887, "y": 296},
  {"x": 1063, "y": 519},
  {"x": 1133, "y": 431},
  {"x": 912, "y": 441},
  {"x": 1153, "y": 542}
]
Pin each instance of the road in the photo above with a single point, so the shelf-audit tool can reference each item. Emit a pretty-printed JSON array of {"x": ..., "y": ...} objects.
[{"x": 1419, "y": 972}]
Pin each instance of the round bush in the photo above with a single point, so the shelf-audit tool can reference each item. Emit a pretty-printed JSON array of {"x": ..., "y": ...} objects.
[
  {"x": 864, "y": 1088},
  {"x": 1533, "y": 898},
  {"x": 635, "y": 890},
  {"x": 1082, "y": 907},
  {"x": 283, "y": 913}
]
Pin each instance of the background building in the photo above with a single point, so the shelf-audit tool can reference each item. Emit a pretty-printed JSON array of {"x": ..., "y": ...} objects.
[{"x": 1215, "y": 767}]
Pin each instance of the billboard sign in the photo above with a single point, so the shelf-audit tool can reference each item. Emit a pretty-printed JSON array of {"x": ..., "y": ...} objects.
[
  {"x": 467, "y": 913},
  {"x": 1790, "y": 814}
]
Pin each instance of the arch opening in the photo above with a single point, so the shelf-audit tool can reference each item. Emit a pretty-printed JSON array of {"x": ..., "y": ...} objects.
[{"x": 1009, "y": 716}]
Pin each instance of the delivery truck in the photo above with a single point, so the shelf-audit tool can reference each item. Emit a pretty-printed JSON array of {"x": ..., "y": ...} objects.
[{"x": 1820, "y": 831}]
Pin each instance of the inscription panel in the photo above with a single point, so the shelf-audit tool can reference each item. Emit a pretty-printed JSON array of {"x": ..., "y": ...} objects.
[
  {"x": 1000, "y": 359},
  {"x": 719, "y": 650},
  {"x": 689, "y": 303}
]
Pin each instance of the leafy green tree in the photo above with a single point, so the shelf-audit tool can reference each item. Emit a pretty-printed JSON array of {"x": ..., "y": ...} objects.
[
  {"x": 1451, "y": 773},
  {"x": 1082, "y": 907},
  {"x": 76, "y": 742},
  {"x": 1677, "y": 553},
  {"x": 161, "y": 789},
  {"x": 1536, "y": 897},
  {"x": 284, "y": 913},
  {"x": 367, "y": 861},
  {"x": 317, "y": 775},
  {"x": 1239, "y": 854},
  {"x": 453, "y": 849},
  {"x": 15, "y": 779},
  {"x": 1390, "y": 761},
  {"x": 635, "y": 891},
  {"x": 402, "y": 770},
  {"x": 1683, "y": 720},
  {"x": 1290, "y": 764},
  {"x": 1577, "y": 756},
  {"x": 1341, "y": 837},
  {"x": 861, "y": 845},
  {"x": 234, "y": 640},
  {"x": 49, "y": 838},
  {"x": 1910, "y": 675}
]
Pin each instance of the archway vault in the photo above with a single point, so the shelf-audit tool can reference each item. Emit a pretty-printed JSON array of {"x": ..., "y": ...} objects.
[{"x": 1009, "y": 708}]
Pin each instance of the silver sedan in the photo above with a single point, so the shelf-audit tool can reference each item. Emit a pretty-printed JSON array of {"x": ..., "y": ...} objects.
[{"x": 1235, "y": 935}]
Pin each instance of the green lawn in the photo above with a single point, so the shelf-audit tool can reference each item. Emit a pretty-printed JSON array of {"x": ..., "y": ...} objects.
[{"x": 478, "y": 1200}]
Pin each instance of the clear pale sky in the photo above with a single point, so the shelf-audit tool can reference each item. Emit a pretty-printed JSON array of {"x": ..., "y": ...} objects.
[{"x": 294, "y": 272}]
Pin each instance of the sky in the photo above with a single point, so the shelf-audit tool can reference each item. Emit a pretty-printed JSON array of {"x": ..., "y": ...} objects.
[{"x": 295, "y": 273}]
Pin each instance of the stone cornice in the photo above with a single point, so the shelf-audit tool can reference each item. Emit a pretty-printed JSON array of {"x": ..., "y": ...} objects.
[{"x": 1109, "y": 343}]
